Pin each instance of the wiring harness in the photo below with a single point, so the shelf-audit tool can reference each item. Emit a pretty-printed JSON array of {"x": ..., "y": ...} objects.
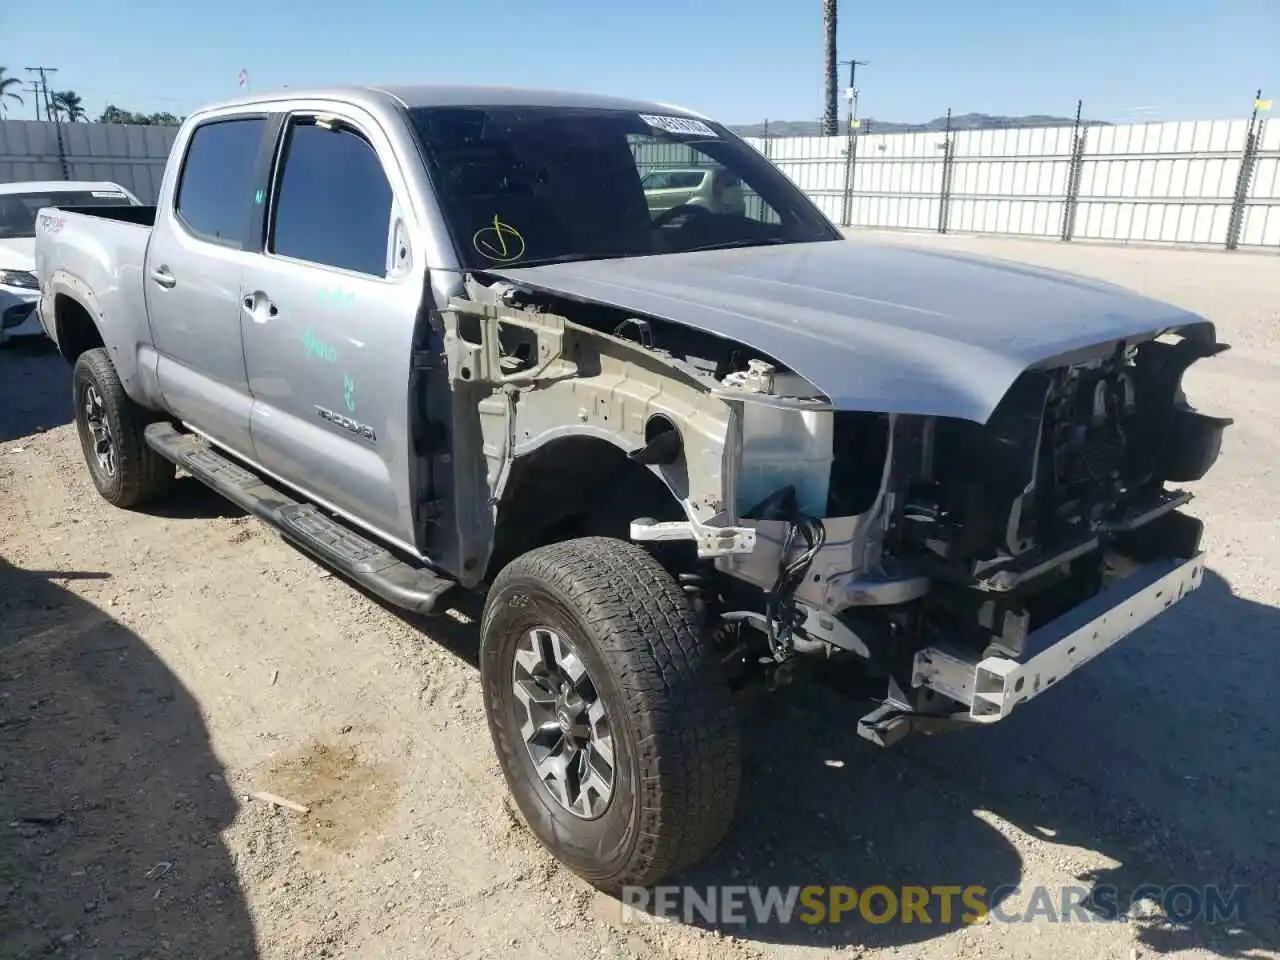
[{"x": 782, "y": 613}]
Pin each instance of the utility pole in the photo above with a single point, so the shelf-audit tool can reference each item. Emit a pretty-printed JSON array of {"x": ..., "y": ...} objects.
[
  {"x": 36, "y": 93},
  {"x": 51, "y": 114},
  {"x": 851, "y": 142},
  {"x": 852, "y": 92},
  {"x": 44, "y": 94}
]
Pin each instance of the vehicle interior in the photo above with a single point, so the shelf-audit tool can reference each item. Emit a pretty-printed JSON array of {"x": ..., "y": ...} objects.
[{"x": 569, "y": 185}]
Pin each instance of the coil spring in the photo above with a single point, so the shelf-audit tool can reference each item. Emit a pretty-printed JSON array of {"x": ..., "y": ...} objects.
[{"x": 695, "y": 587}]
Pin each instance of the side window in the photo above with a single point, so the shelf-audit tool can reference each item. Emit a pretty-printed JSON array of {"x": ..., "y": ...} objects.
[
  {"x": 333, "y": 202},
  {"x": 215, "y": 191}
]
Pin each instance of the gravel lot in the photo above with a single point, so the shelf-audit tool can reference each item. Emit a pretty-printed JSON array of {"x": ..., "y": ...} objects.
[{"x": 156, "y": 669}]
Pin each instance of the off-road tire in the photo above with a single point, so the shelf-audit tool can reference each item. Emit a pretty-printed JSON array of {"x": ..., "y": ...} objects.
[
  {"x": 141, "y": 475},
  {"x": 676, "y": 739}
]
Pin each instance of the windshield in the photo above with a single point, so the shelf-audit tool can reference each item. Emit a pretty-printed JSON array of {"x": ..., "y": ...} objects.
[
  {"x": 521, "y": 186},
  {"x": 18, "y": 210}
]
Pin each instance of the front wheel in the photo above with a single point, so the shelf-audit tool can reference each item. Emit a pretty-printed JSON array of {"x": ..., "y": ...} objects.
[
  {"x": 612, "y": 720},
  {"x": 125, "y": 471}
]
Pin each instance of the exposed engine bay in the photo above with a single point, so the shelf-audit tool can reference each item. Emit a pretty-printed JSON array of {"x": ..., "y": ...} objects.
[{"x": 893, "y": 538}]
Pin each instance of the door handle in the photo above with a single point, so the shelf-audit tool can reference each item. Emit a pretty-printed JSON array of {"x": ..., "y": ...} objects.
[
  {"x": 164, "y": 278},
  {"x": 253, "y": 304}
]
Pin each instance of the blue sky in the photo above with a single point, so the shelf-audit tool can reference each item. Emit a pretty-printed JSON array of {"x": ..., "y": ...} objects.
[{"x": 738, "y": 61}]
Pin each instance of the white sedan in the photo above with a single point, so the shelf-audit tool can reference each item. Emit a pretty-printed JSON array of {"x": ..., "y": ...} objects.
[{"x": 19, "y": 287}]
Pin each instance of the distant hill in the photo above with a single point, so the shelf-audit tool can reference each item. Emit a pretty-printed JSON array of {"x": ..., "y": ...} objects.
[{"x": 964, "y": 121}]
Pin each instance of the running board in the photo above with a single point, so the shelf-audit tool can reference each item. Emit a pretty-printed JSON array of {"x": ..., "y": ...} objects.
[{"x": 416, "y": 589}]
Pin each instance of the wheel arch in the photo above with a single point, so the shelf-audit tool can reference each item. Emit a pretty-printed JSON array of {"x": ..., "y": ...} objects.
[
  {"x": 75, "y": 326},
  {"x": 580, "y": 483}
]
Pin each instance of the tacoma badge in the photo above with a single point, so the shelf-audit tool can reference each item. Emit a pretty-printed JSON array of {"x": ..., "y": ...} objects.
[{"x": 359, "y": 429}]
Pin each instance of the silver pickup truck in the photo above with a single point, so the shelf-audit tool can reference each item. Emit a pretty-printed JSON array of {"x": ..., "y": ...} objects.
[{"x": 439, "y": 340}]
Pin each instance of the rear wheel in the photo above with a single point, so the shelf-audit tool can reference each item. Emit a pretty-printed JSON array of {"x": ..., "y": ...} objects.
[
  {"x": 611, "y": 718},
  {"x": 125, "y": 471}
]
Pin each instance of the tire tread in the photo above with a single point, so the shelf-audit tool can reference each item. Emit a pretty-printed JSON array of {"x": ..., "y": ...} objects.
[
  {"x": 143, "y": 474},
  {"x": 687, "y": 737}
]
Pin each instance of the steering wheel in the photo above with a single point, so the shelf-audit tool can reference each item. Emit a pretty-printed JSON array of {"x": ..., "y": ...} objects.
[{"x": 670, "y": 214}]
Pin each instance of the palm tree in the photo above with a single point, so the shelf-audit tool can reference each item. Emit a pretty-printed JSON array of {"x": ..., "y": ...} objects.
[
  {"x": 7, "y": 93},
  {"x": 68, "y": 102},
  {"x": 830, "y": 118}
]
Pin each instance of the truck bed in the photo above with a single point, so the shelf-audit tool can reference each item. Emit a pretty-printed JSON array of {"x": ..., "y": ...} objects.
[
  {"x": 102, "y": 249},
  {"x": 144, "y": 216}
]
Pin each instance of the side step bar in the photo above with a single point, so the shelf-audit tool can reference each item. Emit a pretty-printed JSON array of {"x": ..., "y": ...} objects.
[{"x": 416, "y": 589}]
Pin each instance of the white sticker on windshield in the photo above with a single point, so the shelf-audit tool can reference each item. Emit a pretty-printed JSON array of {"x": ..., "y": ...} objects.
[
  {"x": 683, "y": 125},
  {"x": 105, "y": 194}
]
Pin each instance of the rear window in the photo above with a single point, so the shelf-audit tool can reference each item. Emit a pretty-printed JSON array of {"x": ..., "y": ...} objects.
[
  {"x": 216, "y": 190},
  {"x": 18, "y": 210}
]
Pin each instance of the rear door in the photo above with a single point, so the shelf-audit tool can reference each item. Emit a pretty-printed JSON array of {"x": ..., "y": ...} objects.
[
  {"x": 194, "y": 260},
  {"x": 328, "y": 312}
]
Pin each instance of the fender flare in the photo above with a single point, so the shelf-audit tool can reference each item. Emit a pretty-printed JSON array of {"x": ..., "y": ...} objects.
[{"x": 66, "y": 284}]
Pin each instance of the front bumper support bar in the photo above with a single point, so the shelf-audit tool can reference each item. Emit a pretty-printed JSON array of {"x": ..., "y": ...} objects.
[{"x": 993, "y": 686}]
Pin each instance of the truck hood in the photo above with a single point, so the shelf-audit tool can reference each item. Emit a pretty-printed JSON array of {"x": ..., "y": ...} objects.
[
  {"x": 17, "y": 253},
  {"x": 875, "y": 326}
]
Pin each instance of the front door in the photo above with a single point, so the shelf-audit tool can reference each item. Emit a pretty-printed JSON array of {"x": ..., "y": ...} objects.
[
  {"x": 328, "y": 313},
  {"x": 193, "y": 274}
]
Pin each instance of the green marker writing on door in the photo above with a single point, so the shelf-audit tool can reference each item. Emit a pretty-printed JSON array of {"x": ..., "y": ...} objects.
[
  {"x": 349, "y": 393},
  {"x": 317, "y": 349},
  {"x": 337, "y": 296}
]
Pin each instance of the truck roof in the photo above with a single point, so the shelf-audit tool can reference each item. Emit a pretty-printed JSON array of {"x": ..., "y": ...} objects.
[{"x": 460, "y": 96}]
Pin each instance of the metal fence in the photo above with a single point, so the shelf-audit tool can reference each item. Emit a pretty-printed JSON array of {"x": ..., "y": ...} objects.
[
  {"x": 132, "y": 156},
  {"x": 1209, "y": 182}
]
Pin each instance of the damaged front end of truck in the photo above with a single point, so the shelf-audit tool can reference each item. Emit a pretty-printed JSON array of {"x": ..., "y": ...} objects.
[{"x": 968, "y": 561}]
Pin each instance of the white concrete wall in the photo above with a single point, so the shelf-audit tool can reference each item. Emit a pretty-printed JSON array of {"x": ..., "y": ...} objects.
[{"x": 132, "y": 156}]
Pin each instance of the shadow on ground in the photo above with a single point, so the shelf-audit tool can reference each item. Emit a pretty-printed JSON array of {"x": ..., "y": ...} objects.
[
  {"x": 193, "y": 500},
  {"x": 111, "y": 799},
  {"x": 1163, "y": 757},
  {"x": 35, "y": 388}
]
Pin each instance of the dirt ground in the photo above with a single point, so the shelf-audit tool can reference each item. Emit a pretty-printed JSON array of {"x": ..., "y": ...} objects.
[{"x": 156, "y": 669}]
